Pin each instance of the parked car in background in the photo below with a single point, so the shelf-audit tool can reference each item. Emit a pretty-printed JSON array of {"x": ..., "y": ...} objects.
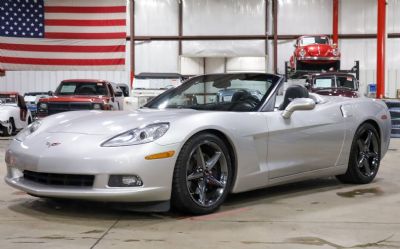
[
  {"x": 333, "y": 84},
  {"x": 315, "y": 53},
  {"x": 124, "y": 88},
  {"x": 14, "y": 115},
  {"x": 82, "y": 94},
  {"x": 32, "y": 98}
]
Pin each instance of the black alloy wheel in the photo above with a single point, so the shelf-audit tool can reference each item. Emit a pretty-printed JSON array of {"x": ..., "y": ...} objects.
[
  {"x": 202, "y": 176},
  {"x": 364, "y": 156}
]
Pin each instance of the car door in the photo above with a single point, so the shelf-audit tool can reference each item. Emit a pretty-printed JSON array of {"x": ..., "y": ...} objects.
[{"x": 309, "y": 140}]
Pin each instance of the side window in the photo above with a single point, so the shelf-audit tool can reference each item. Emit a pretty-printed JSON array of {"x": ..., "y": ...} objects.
[
  {"x": 110, "y": 90},
  {"x": 21, "y": 102},
  {"x": 279, "y": 97},
  {"x": 276, "y": 100}
]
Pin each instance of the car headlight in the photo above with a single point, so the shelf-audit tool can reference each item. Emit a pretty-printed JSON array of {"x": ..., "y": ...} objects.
[
  {"x": 43, "y": 106},
  {"x": 143, "y": 135},
  {"x": 28, "y": 131},
  {"x": 335, "y": 52},
  {"x": 302, "y": 52},
  {"x": 96, "y": 107}
]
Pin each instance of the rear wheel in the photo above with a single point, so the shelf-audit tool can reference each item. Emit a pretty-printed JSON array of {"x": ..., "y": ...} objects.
[
  {"x": 203, "y": 175},
  {"x": 364, "y": 156}
]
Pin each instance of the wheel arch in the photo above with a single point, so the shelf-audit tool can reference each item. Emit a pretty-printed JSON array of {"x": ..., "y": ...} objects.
[
  {"x": 374, "y": 124},
  {"x": 231, "y": 149},
  {"x": 377, "y": 128}
]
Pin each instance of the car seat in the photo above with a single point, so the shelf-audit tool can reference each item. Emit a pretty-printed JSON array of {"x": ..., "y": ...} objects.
[
  {"x": 243, "y": 101},
  {"x": 293, "y": 92}
]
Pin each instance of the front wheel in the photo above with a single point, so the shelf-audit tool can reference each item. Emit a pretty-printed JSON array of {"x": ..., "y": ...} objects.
[
  {"x": 7, "y": 130},
  {"x": 364, "y": 156},
  {"x": 203, "y": 175}
]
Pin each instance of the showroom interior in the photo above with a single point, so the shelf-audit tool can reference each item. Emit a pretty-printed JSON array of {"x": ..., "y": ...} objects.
[{"x": 199, "y": 123}]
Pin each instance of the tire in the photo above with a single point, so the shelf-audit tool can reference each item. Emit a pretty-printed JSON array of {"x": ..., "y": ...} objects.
[
  {"x": 203, "y": 175},
  {"x": 13, "y": 127},
  {"x": 337, "y": 66},
  {"x": 299, "y": 66},
  {"x": 364, "y": 156},
  {"x": 7, "y": 131}
]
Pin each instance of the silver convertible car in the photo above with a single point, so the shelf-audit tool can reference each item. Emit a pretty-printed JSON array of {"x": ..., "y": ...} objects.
[{"x": 188, "y": 149}]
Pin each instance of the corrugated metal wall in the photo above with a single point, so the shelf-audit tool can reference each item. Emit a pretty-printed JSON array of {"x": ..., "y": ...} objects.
[{"x": 239, "y": 17}]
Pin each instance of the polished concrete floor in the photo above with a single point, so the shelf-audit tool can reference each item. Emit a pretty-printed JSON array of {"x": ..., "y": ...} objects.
[{"x": 314, "y": 214}]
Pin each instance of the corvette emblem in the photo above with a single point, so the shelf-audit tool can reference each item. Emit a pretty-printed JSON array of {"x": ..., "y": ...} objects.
[{"x": 52, "y": 144}]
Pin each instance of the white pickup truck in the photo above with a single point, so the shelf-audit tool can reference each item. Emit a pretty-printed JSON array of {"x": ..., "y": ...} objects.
[{"x": 14, "y": 115}]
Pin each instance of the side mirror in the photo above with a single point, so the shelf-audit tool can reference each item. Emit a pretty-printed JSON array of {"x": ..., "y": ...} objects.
[
  {"x": 50, "y": 93},
  {"x": 118, "y": 94},
  {"x": 307, "y": 85},
  {"x": 299, "y": 104}
]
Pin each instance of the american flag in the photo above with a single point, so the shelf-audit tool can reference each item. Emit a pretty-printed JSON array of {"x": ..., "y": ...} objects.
[{"x": 62, "y": 34}]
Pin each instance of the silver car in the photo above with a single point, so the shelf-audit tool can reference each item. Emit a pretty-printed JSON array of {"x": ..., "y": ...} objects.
[{"x": 188, "y": 150}]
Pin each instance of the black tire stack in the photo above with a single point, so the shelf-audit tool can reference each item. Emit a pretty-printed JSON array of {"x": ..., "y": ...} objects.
[{"x": 394, "y": 109}]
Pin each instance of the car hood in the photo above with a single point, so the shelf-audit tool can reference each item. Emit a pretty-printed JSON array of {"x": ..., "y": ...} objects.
[
  {"x": 109, "y": 123},
  {"x": 75, "y": 98},
  {"x": 6, "y": 110},
  {"x": 318, "y": 49},
  {"x": 8, "y": 106}
]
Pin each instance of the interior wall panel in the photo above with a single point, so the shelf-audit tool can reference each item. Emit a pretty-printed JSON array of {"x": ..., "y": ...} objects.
[
  {"x": 358, "y": 16},
  {"x": 223, "y": 17},
  {"x": 305, "y": 17},
  {"x": 156, "y": 17},
  {"x": 156, "y": 57},
  {"x": 393, "y": 13},
  {"x": 223, "y": 48},
  {"x": 35, "y": 81}
]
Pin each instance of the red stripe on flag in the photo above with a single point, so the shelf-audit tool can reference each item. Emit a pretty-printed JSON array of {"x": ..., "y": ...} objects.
[
  {"x": 67, "y": 9},
  {"x": 66, "y": 49},
  {"x": 63, "y": 62},
  {"x": 60, "y": 22},
  {"x": 59, "y": 35}
]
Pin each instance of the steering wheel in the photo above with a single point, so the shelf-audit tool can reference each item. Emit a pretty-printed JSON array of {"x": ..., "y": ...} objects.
[{"x": 245, "y": 105}]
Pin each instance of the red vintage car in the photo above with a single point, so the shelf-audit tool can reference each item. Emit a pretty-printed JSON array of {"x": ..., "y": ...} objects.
[
  {"x": 82, "y": 94},
  {"x": 316, "y": 52}
]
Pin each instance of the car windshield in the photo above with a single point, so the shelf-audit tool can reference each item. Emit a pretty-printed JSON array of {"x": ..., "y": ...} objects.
[
  {"x": 346, "y": 81},
  {"x": 307, "y": 40},
  {"x": 81, "y": 88},
  {"x": 8, "y": 98},
  {"x": 219, "y": 92}
]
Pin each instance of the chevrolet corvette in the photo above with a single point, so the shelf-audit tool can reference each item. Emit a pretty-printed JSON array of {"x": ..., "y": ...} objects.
[{"x": 188, "y": 148}]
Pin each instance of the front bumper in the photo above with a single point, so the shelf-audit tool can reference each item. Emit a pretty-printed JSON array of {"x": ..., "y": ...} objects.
[
  {"x": 317, "y": 58},
  {"x": 81, "y": 155}
]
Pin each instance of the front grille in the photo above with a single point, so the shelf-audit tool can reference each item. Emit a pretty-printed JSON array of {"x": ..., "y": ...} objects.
[
  {"x": 59, "y": 179},
  {"x": 57, "y": 107}
]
